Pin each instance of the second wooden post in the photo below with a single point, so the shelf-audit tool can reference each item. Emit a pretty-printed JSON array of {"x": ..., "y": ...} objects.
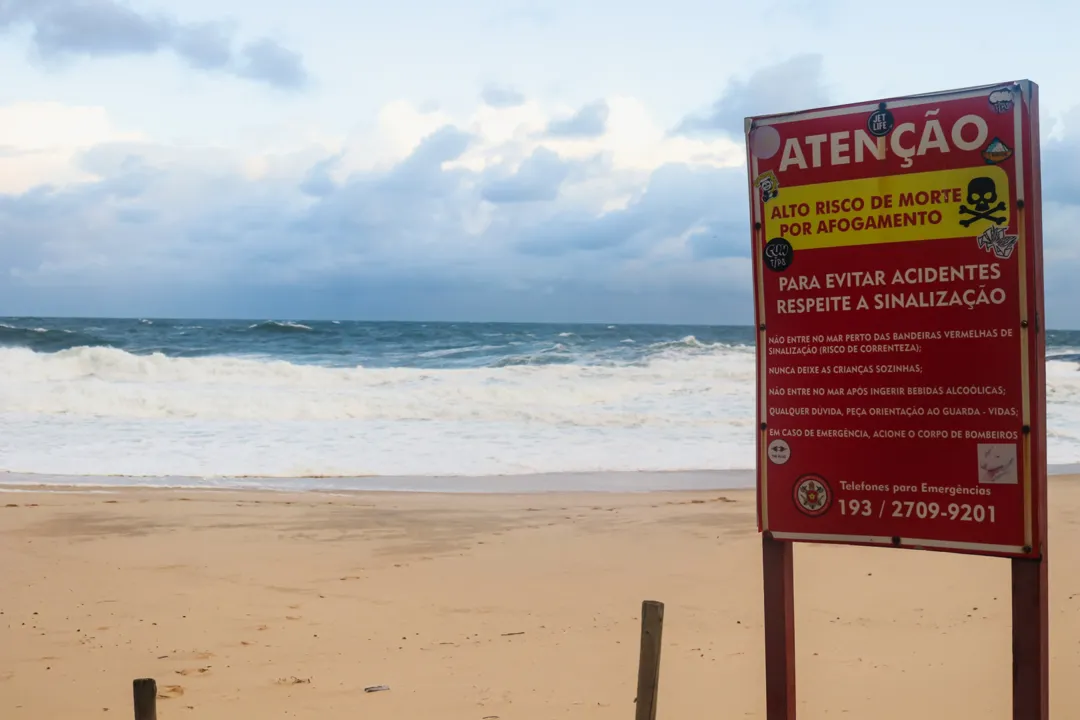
[{"x": 652, "y": 628}]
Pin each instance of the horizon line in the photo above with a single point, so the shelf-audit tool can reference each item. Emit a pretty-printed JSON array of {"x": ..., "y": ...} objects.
[{"x": 749, "y": 325}]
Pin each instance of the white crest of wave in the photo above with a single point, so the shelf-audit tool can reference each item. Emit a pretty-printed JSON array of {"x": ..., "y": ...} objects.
[
  {"x": 101, "y": 411},
  {"x": 674, "y": 388},
  {"x": 282, "y": 324},
  {"x": 450, "y": 352}
]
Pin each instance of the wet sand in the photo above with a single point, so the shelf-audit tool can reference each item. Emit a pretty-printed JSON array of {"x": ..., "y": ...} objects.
[{"x": 520, "y": 607}]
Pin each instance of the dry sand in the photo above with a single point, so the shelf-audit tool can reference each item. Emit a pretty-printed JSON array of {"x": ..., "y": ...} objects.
[{"x": 520, "y": 607}]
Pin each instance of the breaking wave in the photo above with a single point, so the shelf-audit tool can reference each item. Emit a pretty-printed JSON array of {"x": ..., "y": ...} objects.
[
  {"x": 284, "y": 399},
  {"x": 279, "y": 326}
]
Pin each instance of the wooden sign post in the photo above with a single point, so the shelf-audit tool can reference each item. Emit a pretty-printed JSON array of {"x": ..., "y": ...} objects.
[{"x": 898, "y": 280}]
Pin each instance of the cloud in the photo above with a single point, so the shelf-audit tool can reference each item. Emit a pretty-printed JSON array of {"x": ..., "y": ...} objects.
[
  {"x": 42, "y": 139},
  {"x": 502, "y": 97},
  {"x": 480, "y": 216},
  {"x": 94, "y": 28},
  {"x": 794, "y": 84},
  {"x": 678, "y": 204},
  {"x": 206, "y": 46},
  {"x": 588, "y": 122},
  {"x": 498, "y": 224},
  {"x": 103, "y": 28},
  {"x": 537, "y": 180},
  {"x": 267, "y": 61},
  {"x": 1061, "y": 218},
  {"x": 319, "y": 181}
]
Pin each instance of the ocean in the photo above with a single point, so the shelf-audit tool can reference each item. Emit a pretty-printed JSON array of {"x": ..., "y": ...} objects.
[{"x": 240, "y": 403}]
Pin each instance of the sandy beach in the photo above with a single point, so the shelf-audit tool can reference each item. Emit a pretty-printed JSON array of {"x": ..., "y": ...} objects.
[{"x": 517, "y": 607}]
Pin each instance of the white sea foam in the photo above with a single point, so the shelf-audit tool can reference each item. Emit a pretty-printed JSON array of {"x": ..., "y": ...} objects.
[{"x": 102, "y": 411}]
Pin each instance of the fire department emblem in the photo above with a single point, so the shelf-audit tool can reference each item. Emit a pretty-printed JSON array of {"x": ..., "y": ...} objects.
[{"x": 813, "y": 496}]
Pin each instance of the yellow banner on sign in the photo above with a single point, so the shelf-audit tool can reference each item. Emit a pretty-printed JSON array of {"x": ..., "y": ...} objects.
[{"x": 896, "y": 208}]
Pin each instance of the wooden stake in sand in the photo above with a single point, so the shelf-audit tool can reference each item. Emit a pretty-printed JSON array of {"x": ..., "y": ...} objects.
[
  {"x": 652, "y": 628},
  {"x": 145, "y": 692}
]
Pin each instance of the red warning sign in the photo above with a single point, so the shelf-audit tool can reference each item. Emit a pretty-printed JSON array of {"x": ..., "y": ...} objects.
[{"x": 898, "y": 282}]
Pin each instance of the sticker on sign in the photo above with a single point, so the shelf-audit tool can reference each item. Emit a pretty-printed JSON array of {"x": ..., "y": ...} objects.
[{"x": 898, "y": 287}]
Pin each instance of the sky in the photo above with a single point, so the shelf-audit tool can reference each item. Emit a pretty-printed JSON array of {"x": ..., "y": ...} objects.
[{"x": 493, "y": 160}]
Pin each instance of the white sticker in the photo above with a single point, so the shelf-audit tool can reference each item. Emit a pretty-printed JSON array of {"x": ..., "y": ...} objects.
[
  {"x": 997, "y": 464},
  {"x": 993, "y": 239},
  {"x": 779, "y": 452}
]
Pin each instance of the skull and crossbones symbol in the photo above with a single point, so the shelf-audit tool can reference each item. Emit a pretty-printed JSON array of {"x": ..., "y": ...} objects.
[{"x": 982, "y": 191}]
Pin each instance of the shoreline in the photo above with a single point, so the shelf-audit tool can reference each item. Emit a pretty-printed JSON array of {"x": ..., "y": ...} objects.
[
  {"x": 522, "y": 484},
  {"x": 601, "y": 481}
]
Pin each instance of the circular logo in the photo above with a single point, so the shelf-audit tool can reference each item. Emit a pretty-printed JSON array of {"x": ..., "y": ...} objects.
[
  {"x": 779, "y": 452},
  {"x": 812, "y": 495},
  {"x": 778, "y": 254},
  {"x": 880, "y": 123},
  {"x": 764, "y": 142}
]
